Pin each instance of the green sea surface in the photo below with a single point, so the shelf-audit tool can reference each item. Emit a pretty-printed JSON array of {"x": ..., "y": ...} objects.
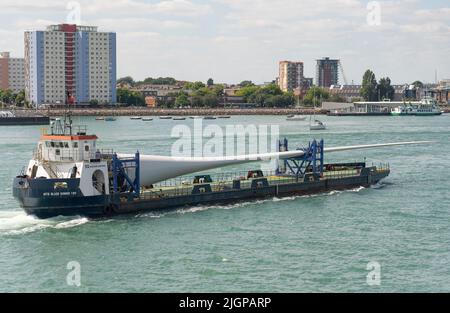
[{"x": 319, "y": 243}]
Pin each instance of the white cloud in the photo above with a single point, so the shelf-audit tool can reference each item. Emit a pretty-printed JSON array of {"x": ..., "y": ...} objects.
[{"x": 232, "y": 40}]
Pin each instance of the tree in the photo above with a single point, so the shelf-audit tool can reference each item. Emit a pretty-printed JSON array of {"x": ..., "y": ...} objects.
[
  {"x": 196, "y": 101},
  {"x": 182, "y": 100},
  {"x": 159, "y": 81},
  {"x": 218, "y": 90},
  {"x": 417, "y": 84},
  {"x": 385, "y": 90},
  {"x": 247, "y": 91},
  {"x": 93, "y": 102},
  {"x": 210, "y": 101},
  {"x": 20, "y": 99},
  {"x": 126, "y": 80},
  {"x": 130, "y": 97},
  {"x": 194, "y": 86},
  {"x": 280, "y": 101},
  {"x": 272, "y": 89},
  {"x": 337, "y": 98},
  {"x": 246, "y": 83},
  {"x": 7, "y": 96},
  {"x": 210, "y": 82},
  {"x": 315, "y": 95},
  {"x": 369, "y": 86}
]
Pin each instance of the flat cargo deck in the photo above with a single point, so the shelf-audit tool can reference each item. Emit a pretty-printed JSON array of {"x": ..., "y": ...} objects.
[{"x": 166, "y": 197}]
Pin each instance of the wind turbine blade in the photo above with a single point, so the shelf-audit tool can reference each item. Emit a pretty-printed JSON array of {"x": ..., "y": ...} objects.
[
  {"x": 346, "y": 148},
  {"x": 155, "y": 168}
]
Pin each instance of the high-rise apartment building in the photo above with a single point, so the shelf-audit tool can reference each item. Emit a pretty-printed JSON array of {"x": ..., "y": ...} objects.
[
  {"x": 290, "y": 75},
  {"x": 70, "y": 64},
  {"x": 327, "y": 72},
  {"x": 12, "y": 72}
]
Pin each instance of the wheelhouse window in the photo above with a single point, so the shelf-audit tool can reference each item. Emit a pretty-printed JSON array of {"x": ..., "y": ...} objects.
[{"x": 75, "y": 144}]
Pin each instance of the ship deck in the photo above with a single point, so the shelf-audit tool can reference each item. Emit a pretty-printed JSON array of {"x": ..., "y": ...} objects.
[{"x": 179, "y": 187}]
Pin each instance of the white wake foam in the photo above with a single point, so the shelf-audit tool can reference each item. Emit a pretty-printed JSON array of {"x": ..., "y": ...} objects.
[{"x": 18, "y": 222}]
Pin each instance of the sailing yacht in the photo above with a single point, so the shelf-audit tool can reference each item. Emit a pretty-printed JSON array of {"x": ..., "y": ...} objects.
[{"x": 317, "y": 124}]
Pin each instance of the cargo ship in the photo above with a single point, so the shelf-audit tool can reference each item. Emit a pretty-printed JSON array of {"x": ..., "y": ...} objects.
[{"x": 68, "y": 175}]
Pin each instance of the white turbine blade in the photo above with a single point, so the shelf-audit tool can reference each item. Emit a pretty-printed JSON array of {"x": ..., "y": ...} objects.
[
  {"x": 155, "y": 168},
  {"x": 380, "y": 145}
]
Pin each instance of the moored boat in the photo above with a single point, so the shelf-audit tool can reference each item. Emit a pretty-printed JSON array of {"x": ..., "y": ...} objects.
[
  {"x": 425, "y": 107},
  {"x": 296, "y": 118}
]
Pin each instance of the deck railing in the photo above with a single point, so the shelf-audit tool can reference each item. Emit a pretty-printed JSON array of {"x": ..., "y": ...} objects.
[{"x": 183, "y": 186}]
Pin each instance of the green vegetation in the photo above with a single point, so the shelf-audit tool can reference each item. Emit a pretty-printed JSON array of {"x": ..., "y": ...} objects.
[
  {"x": 158, "y": 81},
  {"x": 315, "y": 95},
  {"x": 182, "y": 100},
  {"x": 417, "y": 84},
  {"x": 129, "y": 97},
  {"x": 384, "y": 89},
  {"x": 8, "y": 97},
  {"x": 148, "y": 81},
  {"x": 266, "y": 96},
  {"x": 194, "y": 86},
  {"x": 246, "y": 83},
  {"x": 373, "y": 91},
  {"x": 126, "y": 80},
  {"x": 369, "y": 86}
]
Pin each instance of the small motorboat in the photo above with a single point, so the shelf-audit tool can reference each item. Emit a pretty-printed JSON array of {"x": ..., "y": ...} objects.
[
  {"x": 100, "y": 118},
  {"x": 209, "y": 118},
  {"x": 135, "y": 118},
  {"x": 179, "y": 118},
  {"x": 194, "y": 117},
  {"x": 224, "y": 116},
  {"x": 110, "y": 119},
  {"x": 147, "y": 119},
  {"x": 165, "y": 117},
  {"x": 296, "y": 118}
]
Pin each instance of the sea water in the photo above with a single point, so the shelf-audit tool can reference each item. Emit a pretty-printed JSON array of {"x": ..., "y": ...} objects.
[{"x": 324, "y": 242}]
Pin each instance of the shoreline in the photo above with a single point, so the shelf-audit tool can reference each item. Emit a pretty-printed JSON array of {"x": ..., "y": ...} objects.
[
  {"x": 177, "y": 112},
  {"x": 144, "y": 111}
]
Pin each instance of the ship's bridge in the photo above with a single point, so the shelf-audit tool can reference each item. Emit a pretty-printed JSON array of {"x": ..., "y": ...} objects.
[{"x": 66, "y": 143}]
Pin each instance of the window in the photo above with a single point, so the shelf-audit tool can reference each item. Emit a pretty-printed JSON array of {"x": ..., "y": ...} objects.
[
  {"x": 75, "y": 144},
  {"x": 57, "y": 152},
  {"x": 86, "y": 148}
]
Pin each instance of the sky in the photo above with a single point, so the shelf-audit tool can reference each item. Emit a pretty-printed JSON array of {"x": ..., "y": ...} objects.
[{"x": 235, "y": 40}]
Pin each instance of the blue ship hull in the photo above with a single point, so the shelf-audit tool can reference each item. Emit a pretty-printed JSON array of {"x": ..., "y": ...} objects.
[{"x": 39, "y": 197}]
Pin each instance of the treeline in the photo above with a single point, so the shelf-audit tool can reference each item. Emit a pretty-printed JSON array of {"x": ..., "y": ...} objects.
[
  {"x": 128, "y": 80},
  {"x": 266, "y": 96},
  {"x": 195, "y": 95}
]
